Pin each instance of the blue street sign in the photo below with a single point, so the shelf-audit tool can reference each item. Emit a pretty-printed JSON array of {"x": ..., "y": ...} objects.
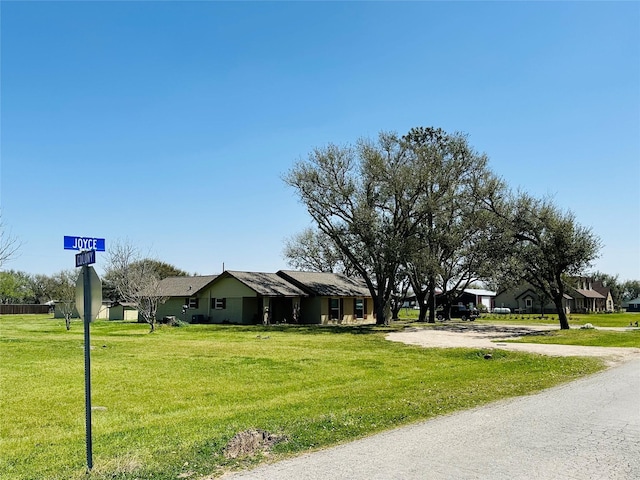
[
  {"x": 84, "y": 243},
  {"x": 85, "y": 258}
]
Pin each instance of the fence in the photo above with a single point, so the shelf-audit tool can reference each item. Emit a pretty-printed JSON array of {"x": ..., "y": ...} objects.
[{"x": 25, "y": 309}]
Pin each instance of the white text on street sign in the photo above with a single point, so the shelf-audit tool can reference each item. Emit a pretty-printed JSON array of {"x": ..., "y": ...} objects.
[
  {"x": 84, "y": 243},
  {"x": 85, "y": 258}
]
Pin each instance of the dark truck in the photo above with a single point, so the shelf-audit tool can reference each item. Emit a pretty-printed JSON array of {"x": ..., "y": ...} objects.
[{"x": 458, "y": 311}]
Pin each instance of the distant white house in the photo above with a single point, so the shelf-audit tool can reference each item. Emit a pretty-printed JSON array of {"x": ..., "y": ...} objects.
[{"x": 483, "y": 297}]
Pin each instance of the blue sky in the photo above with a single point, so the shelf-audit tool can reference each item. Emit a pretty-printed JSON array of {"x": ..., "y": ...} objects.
[{"x": 170, "y": 124}]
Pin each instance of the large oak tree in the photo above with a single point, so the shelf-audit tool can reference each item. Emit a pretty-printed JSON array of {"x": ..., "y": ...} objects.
[
  {"x": 366, "y": 198},
  {"x": 398, "y": 206},
  {"x": 548, "y": 246}
]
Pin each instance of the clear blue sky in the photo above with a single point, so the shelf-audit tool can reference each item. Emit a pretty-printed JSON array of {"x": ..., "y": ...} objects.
[{"x": 170, "y": 124}]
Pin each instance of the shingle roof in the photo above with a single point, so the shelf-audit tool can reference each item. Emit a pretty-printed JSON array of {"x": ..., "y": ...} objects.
[
  {"x": 184, "y": 286},
  {"x": 589, "y": 293},
  {"x": 601, "y": 289},
  {"x": 267, "y": 284},
  {"x": 635, "y": 301},
  {"x": 326, "y": 284}
]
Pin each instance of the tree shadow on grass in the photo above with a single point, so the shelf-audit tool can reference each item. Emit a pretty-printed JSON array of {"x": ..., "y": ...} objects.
[
  {"x": 318, "y": 329},
  {"x": 502, "y": 330}
]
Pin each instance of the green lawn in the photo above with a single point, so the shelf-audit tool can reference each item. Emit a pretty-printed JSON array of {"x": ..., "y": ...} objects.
[
  {"x": 596, "y": 319},
  {"x": 595, "y": 338},
  {"x": 575, "y": 320},
  {"x": 171, "y": 400}
]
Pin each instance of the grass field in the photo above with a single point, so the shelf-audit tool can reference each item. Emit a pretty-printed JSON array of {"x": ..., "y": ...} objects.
[
  {"x": 575, "y": 320},
  {"x": 593, "y": 338},
  {"x": 170, "y": 401}
]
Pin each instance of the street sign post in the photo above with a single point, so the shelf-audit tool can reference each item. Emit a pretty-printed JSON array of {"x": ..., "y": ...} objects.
[{"x": 88, "y": 303}]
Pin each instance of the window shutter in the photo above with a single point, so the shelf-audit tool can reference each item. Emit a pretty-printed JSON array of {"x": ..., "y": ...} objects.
[
  {"x": 224, "y": 303},
  {"x": 364, "y": 303}
]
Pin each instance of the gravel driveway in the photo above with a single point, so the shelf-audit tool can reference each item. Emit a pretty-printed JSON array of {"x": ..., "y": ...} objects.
[{"x": 488, "y": 337}]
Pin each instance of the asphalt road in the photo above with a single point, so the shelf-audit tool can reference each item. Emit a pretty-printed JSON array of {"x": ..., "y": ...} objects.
[{"x": 587, "y": 429}]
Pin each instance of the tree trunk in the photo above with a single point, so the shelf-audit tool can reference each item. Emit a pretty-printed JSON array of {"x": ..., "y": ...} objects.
[
  {"x": 380, "y": 312},
  {"x": 422, "y": 305},
  {"x": 432, "y": 300},
  {"x": 562, "y": 314},
  {"x": 558, "y": 297}
]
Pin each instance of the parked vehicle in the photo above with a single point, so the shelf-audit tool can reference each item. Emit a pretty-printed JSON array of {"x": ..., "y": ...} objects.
[
  {"x": 459, "y": 311},
  {"x": 502, "y": 310}
]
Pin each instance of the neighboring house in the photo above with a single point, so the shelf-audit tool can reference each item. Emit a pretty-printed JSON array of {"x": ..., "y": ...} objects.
[
  {"x": 605, "y": 304},
  {"x": 331, "y": 297},
  {"x": 525, "y": 299},
  {"x": 187, "y": 298},
  {"x": 633, "y": 305},
  {"x": 478, "y": 298},
  {"x": 257, "y": 297},
  {"x": 253, "y": 297},
  {"x": 585, "y": 297}
]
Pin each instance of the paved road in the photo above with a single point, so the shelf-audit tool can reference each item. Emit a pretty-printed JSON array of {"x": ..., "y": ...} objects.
[{"x": 587, "y": 429}]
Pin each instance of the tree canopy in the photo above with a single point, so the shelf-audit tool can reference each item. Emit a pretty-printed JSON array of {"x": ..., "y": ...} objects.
[{"x": 426, "y": 206}]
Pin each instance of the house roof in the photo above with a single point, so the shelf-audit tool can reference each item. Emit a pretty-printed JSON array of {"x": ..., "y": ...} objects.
[
  {"x": 528, "y": 291},
  {"x": 266, "y": 284},
  {"x": 326, "y": 284},
  {"x": 601, "y": 289},
  {"x": 635, "y": 301},
  {"x": 481, "y": 292},
  {"x": 184, "y": 286},
  {"x": 589, "y": 293},
  {"x": 534, "y": 294}
]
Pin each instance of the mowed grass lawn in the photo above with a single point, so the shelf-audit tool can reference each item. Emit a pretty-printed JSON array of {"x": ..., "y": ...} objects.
[
  {"x": 575, "y": 320},
  {"x": 170, "y": 401},
  {"x": 592, "y": 338}
]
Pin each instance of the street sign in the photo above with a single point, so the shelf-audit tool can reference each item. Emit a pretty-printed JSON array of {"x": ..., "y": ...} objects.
[
  {"x": 88, "y": 303},
  {"x": 85, "y": 258},
  {"x": 84, "y": 243},
  {"x": 95, "y": 290}
]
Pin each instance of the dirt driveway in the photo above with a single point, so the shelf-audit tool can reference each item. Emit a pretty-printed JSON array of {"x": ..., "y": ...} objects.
[{"x": 488, "y": 337}]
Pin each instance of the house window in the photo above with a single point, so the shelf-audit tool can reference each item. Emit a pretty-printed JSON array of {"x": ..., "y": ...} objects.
[
  {"x": 218, "y": 303},
  {"x": 358, "y": 307},
  {"x": 528, "y": 302},
  {"x": 193, "y": 302},
  {"x": 334, "y": 308}
]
